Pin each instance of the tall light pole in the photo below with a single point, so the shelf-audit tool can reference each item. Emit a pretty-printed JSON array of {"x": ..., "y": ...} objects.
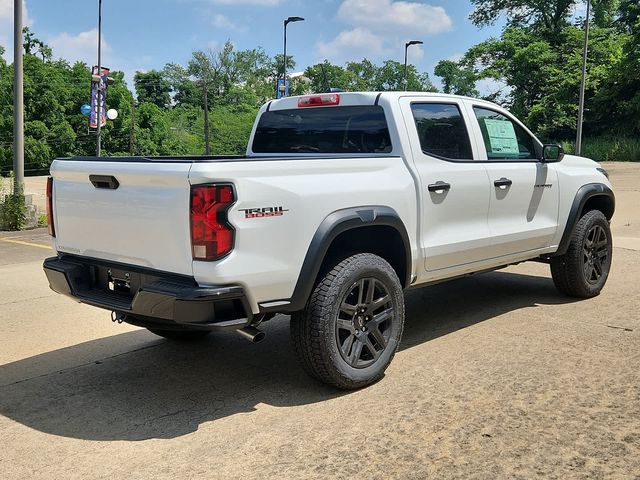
[
  {"x": 18, "y": 97},
  {"x": 406, "y": 73},
  {"x": 583, "y": 82},
  {"x": 283, "y": 87},
  {"x": 99, "y": 98}
]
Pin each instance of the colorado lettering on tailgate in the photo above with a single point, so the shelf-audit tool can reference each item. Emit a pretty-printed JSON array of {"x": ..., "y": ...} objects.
[{"x": 263, "y": 212}]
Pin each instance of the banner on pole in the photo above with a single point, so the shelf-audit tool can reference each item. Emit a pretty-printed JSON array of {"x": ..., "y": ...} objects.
[
  {"x": 98, "y": 82},
  {"x": 283, "y": 89}
]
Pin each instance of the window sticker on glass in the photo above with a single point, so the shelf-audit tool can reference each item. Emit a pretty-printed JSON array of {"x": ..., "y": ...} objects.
[{"x": 502, "y": 136}]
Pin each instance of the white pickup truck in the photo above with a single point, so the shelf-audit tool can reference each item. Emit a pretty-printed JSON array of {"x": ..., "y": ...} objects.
[{"x": 341, "y": 201}]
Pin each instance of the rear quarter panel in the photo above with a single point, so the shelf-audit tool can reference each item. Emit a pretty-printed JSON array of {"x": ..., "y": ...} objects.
[{"x": 269, "y": 251}]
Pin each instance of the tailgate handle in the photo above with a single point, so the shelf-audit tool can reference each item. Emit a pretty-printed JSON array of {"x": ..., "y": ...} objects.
[{"x": 104, "y": 181}]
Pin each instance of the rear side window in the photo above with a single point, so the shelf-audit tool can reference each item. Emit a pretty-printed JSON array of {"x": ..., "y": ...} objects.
[
  {"x": 442, "y": 130},
  {"x": 503, "y": 138},
  {"x": 350, "y": 129}
]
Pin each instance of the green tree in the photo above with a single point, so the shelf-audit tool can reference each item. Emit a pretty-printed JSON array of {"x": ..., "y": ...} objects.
[
  {"x": 547, "y": 17},
  {"x": 544, "y": 76},
  {"x": 324, "y": 76},
  {"x": 456, "y": 79},
  {"x": 390, "y": 77},
  {"x": 363, "y": 75},
  {"x": 617, "y": 102},
  {"x": 153, "y": 87}
]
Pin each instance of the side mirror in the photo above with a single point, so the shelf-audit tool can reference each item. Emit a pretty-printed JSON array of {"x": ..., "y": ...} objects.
[{"x": 552, "y": 153}]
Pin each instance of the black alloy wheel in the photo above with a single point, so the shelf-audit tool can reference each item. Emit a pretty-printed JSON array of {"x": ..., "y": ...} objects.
[
  {"x": 364, "y": 321},
  {"x": 595, "y": 254}
]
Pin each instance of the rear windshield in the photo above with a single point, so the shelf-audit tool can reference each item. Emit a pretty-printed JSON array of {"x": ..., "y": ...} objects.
[{"x": 354, "y": 129}]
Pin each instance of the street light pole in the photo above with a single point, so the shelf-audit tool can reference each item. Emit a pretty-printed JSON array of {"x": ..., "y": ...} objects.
[
  {"x": 583, "y": 82},
  {"x": 18, "y": 97},
  {"x": 99, "y": 99},
  {"x": 406, "y": 73},
  {"x": 283, "y": 88}
]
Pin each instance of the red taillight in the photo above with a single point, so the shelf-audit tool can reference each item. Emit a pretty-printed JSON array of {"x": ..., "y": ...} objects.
[
  {"x": 319, "y": 100},
  {"x": 52, "y": 230},
  {"x": 211, "y": 235}
]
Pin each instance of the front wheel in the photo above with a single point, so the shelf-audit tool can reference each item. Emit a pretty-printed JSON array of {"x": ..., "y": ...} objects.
[
  {"x": 584, "y": 269},
  {"x": 351, "y": 327}
]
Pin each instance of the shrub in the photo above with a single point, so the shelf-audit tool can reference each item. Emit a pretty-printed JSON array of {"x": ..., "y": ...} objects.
[{"x": 12, "y": 207}]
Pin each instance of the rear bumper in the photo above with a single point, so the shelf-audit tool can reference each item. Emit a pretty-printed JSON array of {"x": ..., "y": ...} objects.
[{"x": 148, "y": 297}]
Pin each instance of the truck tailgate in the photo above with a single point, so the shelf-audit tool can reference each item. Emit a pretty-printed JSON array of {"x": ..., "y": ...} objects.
[{"x": 144, "y": 221}]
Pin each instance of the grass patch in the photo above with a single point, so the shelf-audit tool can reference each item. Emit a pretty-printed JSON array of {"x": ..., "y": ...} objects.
[
  {"x": 43, "y": 220},
  {"x": 608, "y": 149}
]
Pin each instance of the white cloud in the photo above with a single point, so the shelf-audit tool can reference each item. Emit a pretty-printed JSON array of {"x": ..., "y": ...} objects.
[
  {"x": 221, "y": 21},
  {"x": 407, "y": 18},
  {"x": 6, "y": 25},
  {"x": 81, "y": 47},
  {"x": 381, "y": 27},
  {"x": 456, "y": 57},
  {"x": 224, "y": 22},
  {"x": 350, "y": 44}
]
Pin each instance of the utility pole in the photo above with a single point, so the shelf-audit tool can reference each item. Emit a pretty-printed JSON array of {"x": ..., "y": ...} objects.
[
  {"x": 132, "y": 130},
  {"x": 18, "y": 97},
  {"x": 98, "y": 146},
  {"x": 207, "y": 147},
  {"x": 583, "y": 82}
]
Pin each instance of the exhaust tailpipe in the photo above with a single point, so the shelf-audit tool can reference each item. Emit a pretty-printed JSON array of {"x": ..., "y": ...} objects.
[
  {"x": 252, "y": 334},
  {"x": 118, "y": 317}
]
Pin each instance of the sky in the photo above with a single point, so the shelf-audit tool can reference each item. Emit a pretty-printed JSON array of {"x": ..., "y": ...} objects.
[{"x": 147, "y": 34}]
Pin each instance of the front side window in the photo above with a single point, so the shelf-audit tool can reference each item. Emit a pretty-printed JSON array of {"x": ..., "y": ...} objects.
[
  {"x": 503, "y": 138},
  {"x": 330, "y": 130},
  {"x": 442, "y": 131}
]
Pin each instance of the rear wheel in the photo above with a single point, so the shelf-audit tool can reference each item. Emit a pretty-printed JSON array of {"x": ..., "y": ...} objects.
[
  {"x": 352, "y": 324},
  {"x": 584, "y": 269},
  {"x": 180, "y": 335}
]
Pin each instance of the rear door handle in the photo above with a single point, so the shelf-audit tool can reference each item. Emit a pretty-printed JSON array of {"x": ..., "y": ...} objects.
[
  {"x": 503, "y": 183},
  {"x": 439, "y": 187}
]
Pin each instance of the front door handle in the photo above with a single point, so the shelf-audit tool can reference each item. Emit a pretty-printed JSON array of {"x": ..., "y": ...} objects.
[
  {"x": 439, "y": 187},
  {"x": 503, "y": 183}
]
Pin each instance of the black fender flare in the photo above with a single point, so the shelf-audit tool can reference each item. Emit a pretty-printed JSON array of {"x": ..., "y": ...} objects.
[
  {"x": 333, "y": 225},
  {"x": 584, "y": 193}
]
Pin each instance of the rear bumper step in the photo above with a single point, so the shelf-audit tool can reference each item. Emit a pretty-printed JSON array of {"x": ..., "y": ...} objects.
[{"x": 148, "y": 296}]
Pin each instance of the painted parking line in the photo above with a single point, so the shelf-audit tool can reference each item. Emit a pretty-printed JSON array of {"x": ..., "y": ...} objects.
[{"x": 28, "y": 244}]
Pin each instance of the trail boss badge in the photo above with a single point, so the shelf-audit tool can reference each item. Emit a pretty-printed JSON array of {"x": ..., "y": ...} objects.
[{"x": 263, "y": 212}]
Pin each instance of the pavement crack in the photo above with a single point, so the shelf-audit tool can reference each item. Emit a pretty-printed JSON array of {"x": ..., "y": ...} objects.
[
  {"x": 26, "y": 300},
  {"x": 626, "y": 329}
]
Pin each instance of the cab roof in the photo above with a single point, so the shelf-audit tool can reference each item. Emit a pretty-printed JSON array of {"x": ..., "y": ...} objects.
[{"x": 360, "y": 98}]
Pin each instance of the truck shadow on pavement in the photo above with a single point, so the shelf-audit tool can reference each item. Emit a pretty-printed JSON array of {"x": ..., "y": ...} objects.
[{"x": 159, "y": 389}]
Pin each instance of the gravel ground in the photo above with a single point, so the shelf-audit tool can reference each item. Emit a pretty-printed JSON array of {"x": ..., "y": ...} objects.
[{"x": 498, "y": 376}]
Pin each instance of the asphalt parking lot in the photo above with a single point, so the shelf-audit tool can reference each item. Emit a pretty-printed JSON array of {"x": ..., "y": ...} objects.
[{"x": 498, "y": 376}]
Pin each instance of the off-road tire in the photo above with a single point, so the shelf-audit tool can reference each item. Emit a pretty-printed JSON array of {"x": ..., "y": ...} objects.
[
  {"x": 583, "y": 270},
  {"x": 181, "y": 335},
  {"x": 318, "y": 333}
]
